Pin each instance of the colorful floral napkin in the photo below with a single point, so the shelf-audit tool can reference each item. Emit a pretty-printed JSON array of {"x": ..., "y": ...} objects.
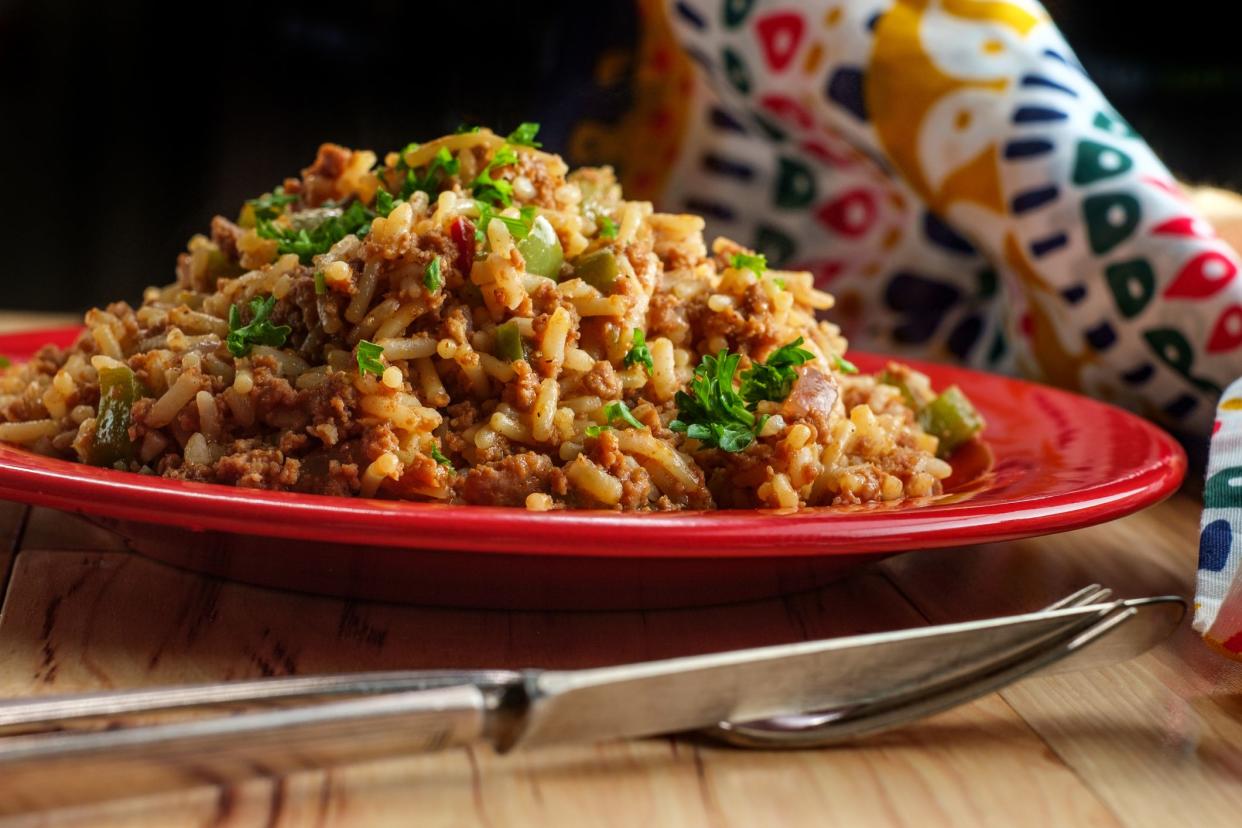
[{"x": 949, "y": 171}]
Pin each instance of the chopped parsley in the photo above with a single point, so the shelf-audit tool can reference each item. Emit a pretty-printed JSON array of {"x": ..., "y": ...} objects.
[
  {"x": 443, "y": 165},
  {"x": 463, "y": 128},
  {"x": 525, "y": 135},
  {"x": 607, "y": 227},
  {"x": 618, "y": 410},
  {"x": 519, "y": 228},
  {"x": 369, "y": 358},
  {"x": 5, "y": 362},
  {"x": 844, "y": 365},
  {"x": 321, "y": 287},
  {"x": 432, "y": 280},
  {"x": 639, "y": 353},
  {"x": 439, "y": 457},
  {"x": 260, "y": 331},
  {"x": 310, "y": 242},
  {"x": 596, "y": 430},
  {"x": 717, "y": 414},
  {"x": 756, "y": 262},
  {"x": 714, "y": 413},
  {"x": 495, "y": 191},
  {"x": 270, "y": 205},
  {"x": 438, "y": 170},
  {"x": 384, "y": 202},
  {"x": 780, "y": 283},
  {"x": 774, "y": 378}
]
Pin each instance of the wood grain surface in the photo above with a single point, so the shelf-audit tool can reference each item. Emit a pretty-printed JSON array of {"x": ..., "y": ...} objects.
[{"x": 1151, "y": 742}]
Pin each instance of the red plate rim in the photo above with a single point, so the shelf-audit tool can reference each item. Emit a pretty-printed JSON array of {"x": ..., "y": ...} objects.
[{"x": 1157, "y": 470}]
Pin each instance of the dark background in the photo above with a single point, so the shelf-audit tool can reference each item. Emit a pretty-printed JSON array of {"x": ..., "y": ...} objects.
[{"x": 124, "y": 126}]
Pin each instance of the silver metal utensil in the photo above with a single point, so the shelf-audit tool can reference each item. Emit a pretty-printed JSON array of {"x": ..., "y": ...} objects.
[{"x": 867, "y": 682}]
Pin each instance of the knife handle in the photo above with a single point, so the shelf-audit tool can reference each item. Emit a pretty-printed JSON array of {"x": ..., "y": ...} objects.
[{"x": 64, "y": 769}]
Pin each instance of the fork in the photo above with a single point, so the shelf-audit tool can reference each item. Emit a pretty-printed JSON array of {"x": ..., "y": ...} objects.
[
  {"x": 987, "y": 675},
  {"x": 59, "y": 712},
  {"x": 874, "y": 682}
]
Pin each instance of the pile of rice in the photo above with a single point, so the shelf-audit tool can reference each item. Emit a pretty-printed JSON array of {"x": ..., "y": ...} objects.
[{"x": 444, "y": 417}]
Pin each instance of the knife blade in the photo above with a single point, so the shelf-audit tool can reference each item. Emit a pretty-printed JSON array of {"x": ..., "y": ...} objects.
[{"x": 529, "y": 708}]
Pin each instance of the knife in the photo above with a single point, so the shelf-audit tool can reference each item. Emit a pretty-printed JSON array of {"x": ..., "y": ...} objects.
[{"x": 419, "y": 711}]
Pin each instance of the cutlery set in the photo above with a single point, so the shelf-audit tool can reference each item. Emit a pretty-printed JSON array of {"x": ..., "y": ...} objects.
[{"x": 63, "y": 750}]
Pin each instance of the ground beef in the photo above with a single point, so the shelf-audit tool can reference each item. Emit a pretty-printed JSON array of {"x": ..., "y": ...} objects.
[
  {"x": 320, "y": 178},
  {"x": 872, "y": 481},
  {"x": 378, "y": 439},
  {"x": 737, "y": 326},
  {"x": 299, "y": 309},
  {"x": 540, "y": 177},
  {"x": 520, "y": 393},
  {"x": 636, "y": 486},
  {"x": 330, "y": 407},
  {"x": 666, "y": 316},
  {"x": 226, "y": 235},
  {"x": 334, "y": 471},
  {"x": 422, "y": 474},
  {"x": 602, "y": 381},
  {"x": 258, "y": 468},
  {"x": 506, "y": 482},
  {"x": 275, "y": 399}
]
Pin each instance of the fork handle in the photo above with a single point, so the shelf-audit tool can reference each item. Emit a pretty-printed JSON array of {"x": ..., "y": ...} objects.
[{"x": 64, "y": 769}]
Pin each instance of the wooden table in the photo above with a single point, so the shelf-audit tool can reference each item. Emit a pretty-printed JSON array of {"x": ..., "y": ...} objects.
[{"x": 1156, "y": 741}]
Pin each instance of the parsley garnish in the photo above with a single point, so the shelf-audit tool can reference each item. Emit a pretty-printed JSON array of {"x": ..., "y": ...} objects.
[
  {"x": 5, "y": 362},
  {"x": 718, "y": 415},
  {"x": 774, "y": 378},
  {"x": 369, "y": 358},
  {"x": 714, "y": 413},
  {"x": 441, "y": 167},
  {"x": 260, "y": 331},
  {"x": 618, "y": 410},
  {"x": 270, "y": 205},
  {"x": 639, "y": 353},
  {"x": 384, "y": 202},
  {"x": 308, "y": 243},
  {"x": 495, "y": 191},
  {"x": 439, "y": 457},
  {"x": 519, "y": 228},
  {"x": 780, "y": 283},
  {"x": 463, "y": 128},
  {"x": 596, "y": 430},
  {"x": 757, "y": 262},
  {"x": 607, "y": 228},
  {"x": 525, "y": 135},
  {"x": 321, "y": 287},
  {"x": 844, "y": 365},
  {"x": 432, "y": 280}
]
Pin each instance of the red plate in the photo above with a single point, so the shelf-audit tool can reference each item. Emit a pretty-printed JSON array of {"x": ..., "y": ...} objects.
[{"x": 1053, "y": 461}]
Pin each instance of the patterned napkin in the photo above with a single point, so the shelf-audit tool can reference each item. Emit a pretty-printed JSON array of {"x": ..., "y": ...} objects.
[
  {"x": 949, "y": 171},
  {"x": 1218, "y": 602}
]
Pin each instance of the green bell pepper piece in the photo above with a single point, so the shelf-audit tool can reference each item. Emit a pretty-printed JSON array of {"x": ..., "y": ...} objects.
[
  {"x": 952, "y": 418},
  {"x": 118, "y": 389},
  {"x": 598, "y": 269},
  {"x": 541, "y": 249},
  {"x": 509, "y": 342}
]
